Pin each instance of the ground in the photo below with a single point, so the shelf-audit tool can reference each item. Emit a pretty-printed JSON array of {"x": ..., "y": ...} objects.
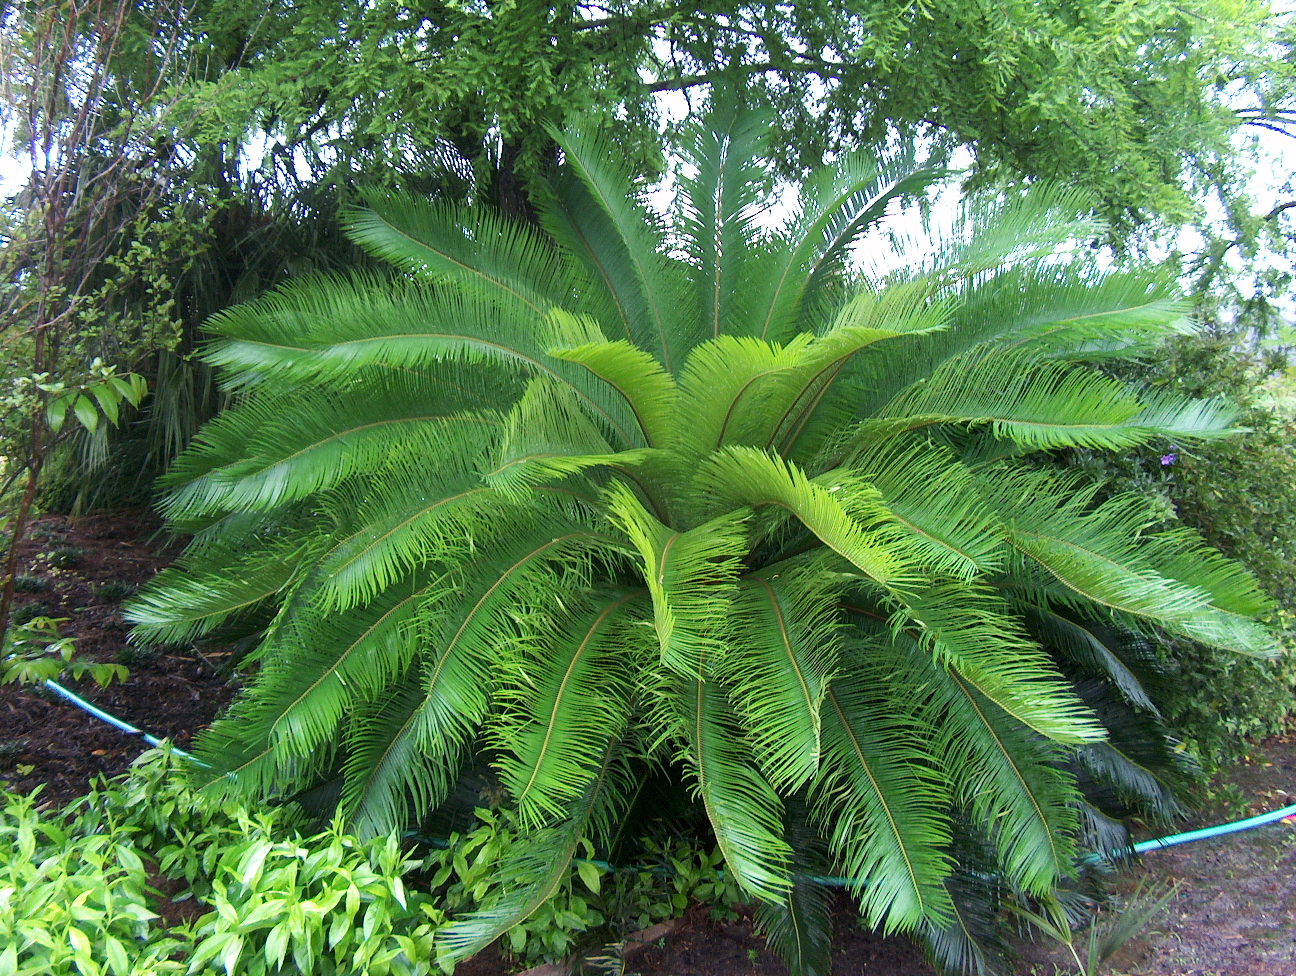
[{"x": 1234, "y": 913}]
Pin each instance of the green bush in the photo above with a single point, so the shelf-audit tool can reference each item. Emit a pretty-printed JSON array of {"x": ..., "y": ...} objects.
[
  {"x": 608, "y": 498},
  {"x": 284, "y": 899},
  {"x": 1240, "y": 495}
]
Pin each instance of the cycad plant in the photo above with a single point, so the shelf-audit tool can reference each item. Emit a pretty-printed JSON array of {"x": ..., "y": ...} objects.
[{"x": 603, "y": 498}]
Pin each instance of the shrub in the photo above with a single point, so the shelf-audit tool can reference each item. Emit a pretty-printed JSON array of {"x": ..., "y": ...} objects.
[
  {"x": 66, "y": 557},
  {"x": 609, "y": 500}
]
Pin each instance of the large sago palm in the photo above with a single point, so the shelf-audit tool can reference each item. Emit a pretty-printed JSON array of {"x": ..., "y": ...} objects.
[{"x": 610, "y": 496}]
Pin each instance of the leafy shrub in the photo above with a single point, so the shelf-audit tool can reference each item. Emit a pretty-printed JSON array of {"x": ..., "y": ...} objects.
[
  {"x": 111, "y": 591},
  {"x": 34, "y": 652},
  {"x": 25, "y": 613},
  {"x": 74, "y": 902},
  {"x": 613, "y": 499},
  {"x": 66, "y": 557},
  {"x": 27, "y": 583}
]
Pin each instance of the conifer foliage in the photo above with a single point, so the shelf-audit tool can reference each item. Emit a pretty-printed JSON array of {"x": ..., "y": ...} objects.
[{"x": 612, "y": 495}]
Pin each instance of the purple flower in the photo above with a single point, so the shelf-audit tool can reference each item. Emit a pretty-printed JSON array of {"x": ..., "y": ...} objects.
[{"x": 1167, "y": 460}]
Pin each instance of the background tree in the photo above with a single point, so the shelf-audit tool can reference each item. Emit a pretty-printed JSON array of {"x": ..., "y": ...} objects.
[{"x": 87, "y": 128}]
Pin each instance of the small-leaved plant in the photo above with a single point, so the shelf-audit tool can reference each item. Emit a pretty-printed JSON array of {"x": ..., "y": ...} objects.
[{"x": 35, "y": 652}]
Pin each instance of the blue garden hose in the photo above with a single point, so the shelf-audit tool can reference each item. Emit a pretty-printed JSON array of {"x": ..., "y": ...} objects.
[
  {"x": 114, "y": 721},
  {"x": 1154, "y": 844}
]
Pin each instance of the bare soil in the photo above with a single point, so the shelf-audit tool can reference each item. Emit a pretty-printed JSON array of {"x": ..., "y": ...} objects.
[{"x": 1234, "y": 913}]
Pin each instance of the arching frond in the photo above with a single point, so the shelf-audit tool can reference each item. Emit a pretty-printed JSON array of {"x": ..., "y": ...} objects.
[
  {"x": 648, "y": 286},
  {"x": 721, "y": 199},
  {"x": 189, "y": 600},
  {"x": 968, "y": 630},
  {"x": 272, "y": 451},
  {"x": 441, "y": 714},
  {"x": 638, "y": 377},
  {"x": 691, "y": 575},
  {"x": 743, "y": 808},
  {"x": 1002, "y": 773},
  {"x": 325, "y": 329},
  {"x": 408, "y": 519},
  {"x": 567, "y": 693},
  {"x": 880, "y": 800},
  {"x": 779, "y": 664},
  {"x": 471, "y": 246},
  {"x": 1097, "y": 554},
  {"x": 746, "y": 476},
  {"x": 936, "y": 511}
]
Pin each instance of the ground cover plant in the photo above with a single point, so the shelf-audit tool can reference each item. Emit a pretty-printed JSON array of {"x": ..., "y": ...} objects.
[{"x": 610, "y": 505}]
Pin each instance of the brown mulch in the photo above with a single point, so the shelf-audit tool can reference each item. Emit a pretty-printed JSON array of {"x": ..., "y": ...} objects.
[
  {"x": 1234, "y": 913},
  {"x": 45, "y": 740}
]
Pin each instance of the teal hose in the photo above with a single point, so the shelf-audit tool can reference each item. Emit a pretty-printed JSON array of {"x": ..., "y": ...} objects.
[
  {"x": 115, "y": 722},
  {"x": 1156, "y": 844},
  {"x": 1219, "y": 830}
]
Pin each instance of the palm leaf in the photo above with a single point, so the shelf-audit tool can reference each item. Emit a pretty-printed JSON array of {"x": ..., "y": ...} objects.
[
  {"x": 746, "y": 476},
  {"x": 648, "y": 286},
  {"x": 880, "y": 800},
  {"x": 800, "y": 928},
  {"x": 691, "y": 575},
  {"x": 471, "y": 246},
  {"x": 778, "y": 666},
  {"x": 561, "y": 706}
]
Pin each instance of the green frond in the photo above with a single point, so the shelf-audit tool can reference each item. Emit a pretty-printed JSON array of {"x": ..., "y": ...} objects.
[
  {"x": 442, "y": 714},
  {"x": 323, "y": 330},
  {"x": 406, "y": 518},
  {"x": 727, "y": 388},
  {"x": 880, "y": 800},
  {"x": 638, "y": 377},
  {"x": 319, "y": 667},
  {"x": 721, "y": 200},
  {"x": 266, "y": 452},
  {"x": 1002, "y": 773},
  {"x": 745, "y": 476},
  {"x": 193, "y": 598},
  {"x": 473, "y": 247},
  {"x": 779, "y": 663},
  {"x": 992, "y": 231},
  {"x": 834, "y": 211},
  {"x": 800, "y": 928},
  {"x": 1077, "y": 641},
  {"x": 691, "y": 575},
  {"x": 547, "y": 437},
  {"x": 647, "y": 284},
  {"x": 561, "y": 703},
  {"x": 1038, "y": 404},
  {"x": 1097, "y": 554},
  {"x": 936, "y": 511},
  {"x": 866, "y": 320},
  {"x": 1072, "y": 311},
  {"x": 743, "y": 808},
  {"x": 967, "y": 629}
]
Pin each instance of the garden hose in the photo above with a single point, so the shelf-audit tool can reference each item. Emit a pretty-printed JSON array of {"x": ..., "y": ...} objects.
[{"x": 1156, "y": 843}]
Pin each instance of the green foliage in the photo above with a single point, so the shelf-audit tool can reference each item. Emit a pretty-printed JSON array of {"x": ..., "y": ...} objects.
[
  {"x": 34, "y": 651},
  {"x": 1240, "y": 495},
  {"x": 702, "y": 501},
  {"x": 27, "y": 583},
  {"x": 74, "y": 901},
  {"x": 113, "y": 591},
  {"x": 65, "y": 557}
]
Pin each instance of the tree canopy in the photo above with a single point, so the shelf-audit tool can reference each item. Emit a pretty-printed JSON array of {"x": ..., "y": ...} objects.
[{"x": 1135, "y": 100}]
